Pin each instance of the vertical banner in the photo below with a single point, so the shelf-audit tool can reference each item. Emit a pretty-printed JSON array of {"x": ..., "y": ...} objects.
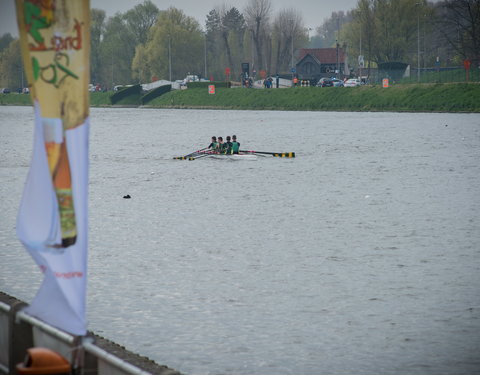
[{"x": 52, "y": 219}]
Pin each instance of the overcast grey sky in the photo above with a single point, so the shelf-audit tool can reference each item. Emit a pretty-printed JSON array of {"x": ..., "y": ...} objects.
[{"x": 313, "y": 11}]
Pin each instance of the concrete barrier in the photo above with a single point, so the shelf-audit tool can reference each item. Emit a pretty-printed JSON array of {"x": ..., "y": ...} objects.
[{"x": 90, "y": 354}]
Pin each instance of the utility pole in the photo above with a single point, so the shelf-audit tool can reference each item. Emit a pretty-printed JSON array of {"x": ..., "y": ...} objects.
[
  {"x": 170, "y": 57},
  {"x": 418, "y": 43},
  {"x": 205, "y": 50},
  {"x": 359, "y": 63},
  {"x": 112, "y": 72},
  {"x": 253, "y": 51},
  {"x": 291, "y": 61},
  {"x": 337, "y": 71}
]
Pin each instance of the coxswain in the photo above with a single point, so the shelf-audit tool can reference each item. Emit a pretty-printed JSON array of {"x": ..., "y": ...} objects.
[
  {"x": 235, "y": 145},
  {"x": 228, "y": 145}
]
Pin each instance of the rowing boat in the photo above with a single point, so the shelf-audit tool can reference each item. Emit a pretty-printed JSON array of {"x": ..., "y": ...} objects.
[
  {"x": 233, "y": 156},
  {"x": 242, "y": 155},
  {"x": 214, "y": 155}
]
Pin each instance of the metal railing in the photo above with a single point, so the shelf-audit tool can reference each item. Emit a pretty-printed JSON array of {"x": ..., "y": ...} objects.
[{"x": 18, "y": 326}]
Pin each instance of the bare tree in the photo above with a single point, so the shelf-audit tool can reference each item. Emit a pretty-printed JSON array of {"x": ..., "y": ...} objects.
[
  {"x": 257, "y": 16},
  {"x": 459, "y": 23},
  {"x": 233, "y": 28},
  {"x": 289, "y": 34}
]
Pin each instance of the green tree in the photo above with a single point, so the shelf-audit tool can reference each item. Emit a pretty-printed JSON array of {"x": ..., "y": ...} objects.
[
  {"x": 11, "y": 66},
  {"x": 386, "y": 30},
  {"x": 117, "y": 50},
  {"x": 97, "y": 26},
  {"x": 225, "y": 33},
  {"x": 174, "y": 38},
  {"x": 140, "y": 19},
  {"x": 395, "y": 36},
  {"x": 215, "y": 55},
  {"x": 327, "y": 33},
  {"x": 232, "y": 31},
  {"x": 5, "y": 41}
]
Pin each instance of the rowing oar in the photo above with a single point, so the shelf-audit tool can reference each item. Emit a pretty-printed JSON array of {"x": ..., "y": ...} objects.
[
  {"x": 186, "y": 156},
  {"x": 202, "y": 155},
  {"x": 275, "y": 154}
]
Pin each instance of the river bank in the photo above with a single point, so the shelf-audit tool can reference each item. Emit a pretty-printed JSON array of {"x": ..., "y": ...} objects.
[{"x": 454, "y": 98}]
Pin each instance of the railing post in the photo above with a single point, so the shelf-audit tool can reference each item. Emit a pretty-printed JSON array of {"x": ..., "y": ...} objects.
[{"x": 21, "y": 337}]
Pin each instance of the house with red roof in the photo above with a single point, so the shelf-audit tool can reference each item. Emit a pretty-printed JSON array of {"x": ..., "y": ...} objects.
[{"x": 315, "y": 63}]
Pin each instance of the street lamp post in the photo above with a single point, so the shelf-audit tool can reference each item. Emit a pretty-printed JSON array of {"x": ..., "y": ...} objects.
[
  {"x": 253, "y": 52},
  {"x": 291, "y": 61},
  {"x": 113, "y": 84},
  {"x": 418, "y": 44},
  {"x": 205, "y": 54},
  {"x": 169, "y": 57},
  {"x": 308, "y": 31},
  {"x": 337, "y": 69}
]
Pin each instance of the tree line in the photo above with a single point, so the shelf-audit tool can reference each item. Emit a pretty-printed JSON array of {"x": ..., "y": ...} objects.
[
  {"x": 420, "y": 33},
  {"x": 146, "y": 44}
]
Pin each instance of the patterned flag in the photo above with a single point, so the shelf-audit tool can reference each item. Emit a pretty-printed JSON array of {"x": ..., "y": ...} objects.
[{"x": 52, "y": 220}]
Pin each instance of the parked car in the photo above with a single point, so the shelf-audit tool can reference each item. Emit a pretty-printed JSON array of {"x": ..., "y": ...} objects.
[
  {"x": 5, "y": 91},
  {"x": 325, "y": 82},
  {"x": 337, "y": 82},
  {"x": 353, "y": 82}
]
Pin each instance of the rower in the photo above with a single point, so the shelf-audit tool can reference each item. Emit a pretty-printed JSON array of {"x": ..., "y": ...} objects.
[
  {"x": 228, "y": 146},
  {"x": 214, "y": 143},
  {"x": 235, "y": 145},
  {"x": 220, "y": 145}
]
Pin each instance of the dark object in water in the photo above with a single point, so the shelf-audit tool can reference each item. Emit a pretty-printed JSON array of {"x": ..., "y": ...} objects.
[{"x": 127, "y": 196}]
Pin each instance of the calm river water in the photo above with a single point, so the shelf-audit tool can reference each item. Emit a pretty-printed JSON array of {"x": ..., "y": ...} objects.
[{"x": 360, "y": 256}]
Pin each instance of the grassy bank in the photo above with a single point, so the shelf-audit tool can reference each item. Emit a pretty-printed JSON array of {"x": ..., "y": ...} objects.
[
  {"x": 398, "y": 98},
  {"x": 421, "y": 98},
  {"x": 15, "y": 99}
]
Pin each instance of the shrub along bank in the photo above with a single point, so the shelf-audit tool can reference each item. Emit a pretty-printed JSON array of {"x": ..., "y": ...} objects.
[
  {"x": 421, "y": 98},
  {"x": 397, "y": 98}
]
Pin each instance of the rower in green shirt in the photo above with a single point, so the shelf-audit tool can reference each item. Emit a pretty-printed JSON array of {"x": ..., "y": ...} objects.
[
  {"x": 221, "y": 145},
  {"x": 228, "y": 146},
  {"x": 214, "y": 144},
  {"x": 235, "y": 145}
]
